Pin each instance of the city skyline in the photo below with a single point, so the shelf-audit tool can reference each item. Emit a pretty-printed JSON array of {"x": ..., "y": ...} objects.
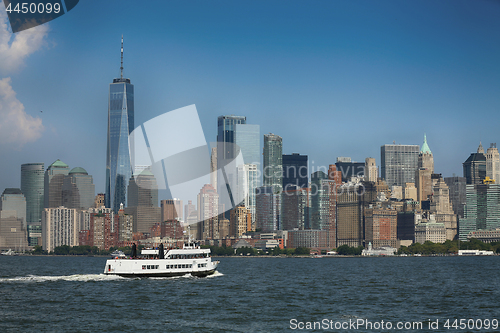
[{"x": 372, "y": 72}]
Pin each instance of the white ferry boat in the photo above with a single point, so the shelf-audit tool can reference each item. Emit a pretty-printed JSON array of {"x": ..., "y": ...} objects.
[{"x": 191, "y": 259}]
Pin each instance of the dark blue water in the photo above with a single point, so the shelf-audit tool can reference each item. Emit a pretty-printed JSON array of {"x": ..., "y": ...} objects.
[{"x": 62, "y": 294}]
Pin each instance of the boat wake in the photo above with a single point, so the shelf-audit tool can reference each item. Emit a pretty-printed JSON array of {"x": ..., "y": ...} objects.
[
  {"x": 76, "y": 277},
  {"x": 216, "y": 274},
  {"x": 88, "y": 278}
]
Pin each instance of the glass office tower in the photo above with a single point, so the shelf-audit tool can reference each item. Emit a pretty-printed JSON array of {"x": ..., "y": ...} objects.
[
  {"x": 226, "y": 137},
  {"x": 120, "y": 125},
  {"x": 32, "y": 178},
  {"x": 247, "y": 138},
  {"x": 399, "y": 163}
]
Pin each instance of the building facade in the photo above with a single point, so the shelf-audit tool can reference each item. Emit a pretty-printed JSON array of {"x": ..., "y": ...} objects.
[
  {"x": 267, "y": 209},
  {"x": 482, "y": 209},
  {"x": 13, "y": 204},
  {"x": 78, "y": 190},
  {"x": 59, "y": 227},
  {"x": 399, "y": 163},
  {"x": 295, "y": 171},
  {"x": 493, "y": 163},
  {"x": 273, "y": 162}
]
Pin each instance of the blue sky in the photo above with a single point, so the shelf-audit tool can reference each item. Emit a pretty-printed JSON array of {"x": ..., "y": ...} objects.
[{"x": 333, "y": 78}]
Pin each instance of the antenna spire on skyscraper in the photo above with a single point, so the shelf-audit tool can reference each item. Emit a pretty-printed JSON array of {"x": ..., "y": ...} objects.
[{"x": 121, "y": 67}]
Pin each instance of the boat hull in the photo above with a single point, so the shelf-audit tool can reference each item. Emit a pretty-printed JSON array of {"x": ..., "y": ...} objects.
[
  {"x": 164, "y": 274},
  {"x": 138, "y": 268}
]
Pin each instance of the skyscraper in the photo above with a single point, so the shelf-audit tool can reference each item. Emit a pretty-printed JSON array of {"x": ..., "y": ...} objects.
[
  {"x": 493, "y": 163},
  {"x": 320, "y": 200},
  {"x": 425, "y": 157},
  {"x": 267, "y": 209},
  {"x": 247, "y": 138},
  {"x": 208, "y": 205},
  {"x": 78, "y": 189},
  {"x": 475, "y": 167},
  {"x": 120, "y": 125},
  {"x": 32, "y": 175},
  {"x": 13, "y": 204},
  {"x": 457, "y": 194},
  {"x": 142, "y": 195},
  {"x": 248, "y": 182},
  {"x": 53, "y": 181},
  {"x": 399, "y": 163},
  {"x": 226, "y": 152},
  {"x": 350, "y": 169},
  {"x": 371, "y": 170},
  {"x": 295, "y": 171},
  {"x": 482, "y": 210},
  {"x": 273, "y": 162},
  {"x": 59, "y": 227},
  {"x": 226, "y": 137}
]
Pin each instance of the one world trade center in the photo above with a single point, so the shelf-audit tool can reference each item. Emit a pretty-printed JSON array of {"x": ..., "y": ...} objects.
[{"x": 120, "y": 125}]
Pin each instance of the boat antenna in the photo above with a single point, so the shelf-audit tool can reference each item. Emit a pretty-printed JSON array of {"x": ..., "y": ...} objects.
[{"x": 121, "y": 67}]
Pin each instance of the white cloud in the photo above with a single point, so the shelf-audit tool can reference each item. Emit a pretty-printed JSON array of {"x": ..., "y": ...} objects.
[
  {"x": 16, "y": 127},
  {"x": 14, "y": 48}
]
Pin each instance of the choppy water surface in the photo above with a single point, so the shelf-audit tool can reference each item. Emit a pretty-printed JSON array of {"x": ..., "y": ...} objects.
[{"x": 62, "y": 294}]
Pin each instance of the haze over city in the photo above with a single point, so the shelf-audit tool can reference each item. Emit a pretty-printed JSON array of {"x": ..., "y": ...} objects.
[{"x": 331, "y": 78}]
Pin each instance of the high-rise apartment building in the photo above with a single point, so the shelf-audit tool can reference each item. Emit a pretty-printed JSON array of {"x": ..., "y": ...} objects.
[
  {"x": 493, "y": 163},
  {"x": 399, "y": 163},
  {"x": 273, "y": 162},
  {"x": 248, "y": 182},
  {"x": 120, "y": 125},
  {"x": 213, "y": 167},
  {"x": 334, "y": 182},
  {"x": 267, "y": 209},
  {"x": 59, "y": 227},
  {"x": 295, "y": 171},
  {"x": 475, "y": 167},
  {"x": 78, "y": 189},
  {"x": 240, "y": 221},
  {"x": 208, "y": 205},
  {"x": 53, "y": 181},
  {"x": 32, "y": 178}
]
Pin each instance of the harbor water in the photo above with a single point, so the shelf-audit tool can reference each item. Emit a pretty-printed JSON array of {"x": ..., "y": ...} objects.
[{"x": 62, "y": 294}]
